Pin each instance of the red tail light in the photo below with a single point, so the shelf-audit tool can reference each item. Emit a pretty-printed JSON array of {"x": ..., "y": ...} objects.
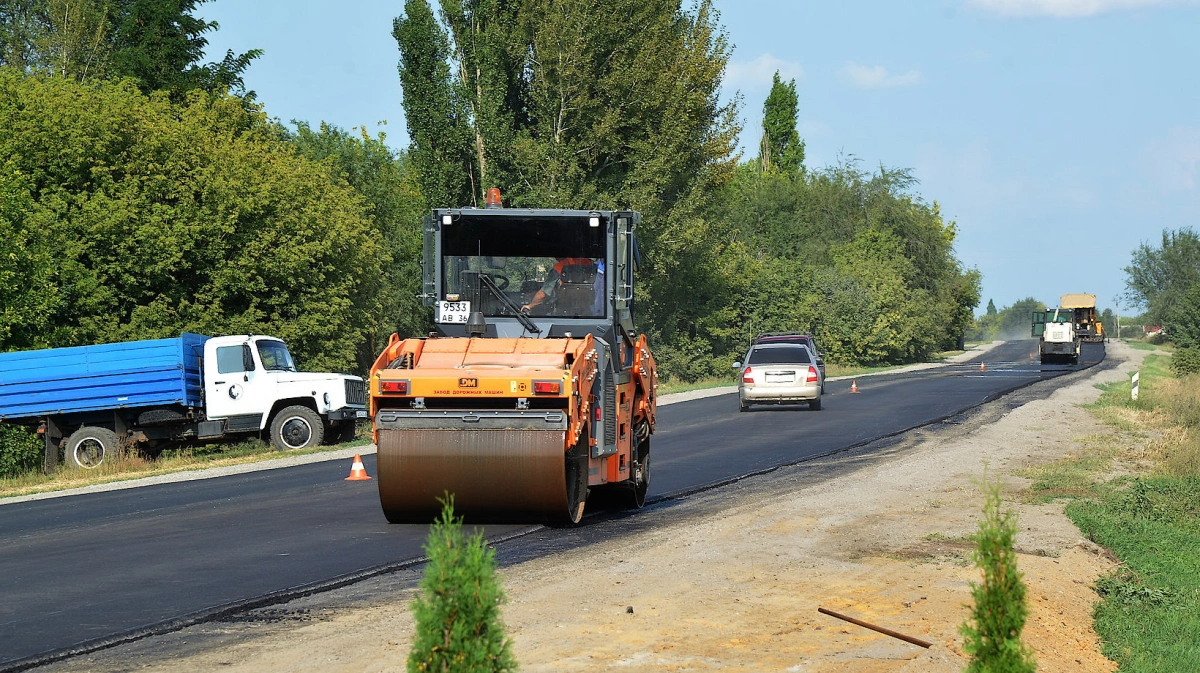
[
  {"x": 547, "y": 387},
  {"x": 812, "y": 375},
  {"x": 599, "y": 413},
  {"x": 394, "y": 387},
  {"x": 746, "y": 378}
]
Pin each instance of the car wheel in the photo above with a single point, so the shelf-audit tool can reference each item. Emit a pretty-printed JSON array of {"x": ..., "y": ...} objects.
[
  {"x": 743, "y": 405},
  {"x": 296, "y": 427},
  {"x": 815, "y": 404}
]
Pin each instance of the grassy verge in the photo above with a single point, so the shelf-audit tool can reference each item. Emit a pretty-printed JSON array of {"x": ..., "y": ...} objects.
[
  {"x": 1147, "y": 346},
  {"x": 133, "y": 466},
  {"x": 1148, "y": 515},
  {"x": 669, "y": 386}
]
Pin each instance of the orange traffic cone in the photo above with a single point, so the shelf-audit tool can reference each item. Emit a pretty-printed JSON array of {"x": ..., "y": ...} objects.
[
  {"x": 357, "y": 471},
  {"x": 982, "y": 368},
  {"x": 854, "y": 386}
]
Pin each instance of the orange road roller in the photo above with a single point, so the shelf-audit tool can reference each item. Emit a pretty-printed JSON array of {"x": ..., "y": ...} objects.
[{"x": 536, "y": 389}]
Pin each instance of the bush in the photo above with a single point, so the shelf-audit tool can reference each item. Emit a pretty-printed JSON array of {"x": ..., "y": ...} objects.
[
  {"x": 993, "y": 635},
  {"x": 1185, "y": 361},
  {"x": 20, "y": 450},
  {"x": 458, "y": 608}
]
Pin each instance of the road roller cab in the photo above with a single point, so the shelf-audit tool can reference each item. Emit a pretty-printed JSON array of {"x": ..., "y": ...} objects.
[{"x": 536, "y": 388}]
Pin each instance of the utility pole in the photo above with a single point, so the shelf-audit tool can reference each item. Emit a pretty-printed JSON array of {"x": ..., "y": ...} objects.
[{"x": 1117, "y": 303}]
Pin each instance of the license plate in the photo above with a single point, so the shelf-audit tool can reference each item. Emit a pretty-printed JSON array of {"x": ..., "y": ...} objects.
[
  {"x": 780, "y": 378},
  {"x": 360, "y": 414},
  {"x": 453, "y": 311}
]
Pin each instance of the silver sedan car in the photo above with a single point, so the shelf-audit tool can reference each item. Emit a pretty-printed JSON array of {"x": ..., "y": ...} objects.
[{"x": 779, "y": 373}]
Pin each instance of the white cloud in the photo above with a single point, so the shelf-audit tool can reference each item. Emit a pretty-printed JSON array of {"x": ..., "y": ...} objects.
[
  {"x": 877, "y": 77},
  {"x": 1068, "y": 8},
  {"x": 756, "y": 75},
  {"x": 1172, "y": 162}
]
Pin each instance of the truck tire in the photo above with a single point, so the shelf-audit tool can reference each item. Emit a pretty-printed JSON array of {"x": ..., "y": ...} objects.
[
  {"x": 90, "y": 447},
  {"x": 296, "y": 427}
]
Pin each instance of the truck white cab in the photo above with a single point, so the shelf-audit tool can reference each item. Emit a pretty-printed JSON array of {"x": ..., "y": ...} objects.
[
  {"x": 1058, "y": 336},
  {"x": 251, "y": 383}
]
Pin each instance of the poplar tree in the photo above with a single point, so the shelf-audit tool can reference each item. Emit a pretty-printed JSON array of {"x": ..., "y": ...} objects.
[
  {"x": 781, "y": 148},
  {"x": 437, "y": 119}
]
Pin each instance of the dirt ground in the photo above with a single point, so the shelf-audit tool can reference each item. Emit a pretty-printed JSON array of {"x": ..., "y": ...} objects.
[{"x": 731, "y": 579}]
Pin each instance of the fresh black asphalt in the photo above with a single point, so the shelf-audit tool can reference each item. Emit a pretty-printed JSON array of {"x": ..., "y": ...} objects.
[{"x": 77, "y": 570}]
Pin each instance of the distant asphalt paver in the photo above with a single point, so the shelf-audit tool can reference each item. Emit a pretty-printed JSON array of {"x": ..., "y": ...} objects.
[{"x": 88, "y": 570}]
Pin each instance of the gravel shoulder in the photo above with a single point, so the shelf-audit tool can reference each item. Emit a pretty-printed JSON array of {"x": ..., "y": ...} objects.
[{"x": 731, "y": 579}]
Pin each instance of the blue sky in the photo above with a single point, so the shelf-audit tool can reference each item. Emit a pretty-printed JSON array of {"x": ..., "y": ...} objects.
[{"x": 1058, "y": 134}]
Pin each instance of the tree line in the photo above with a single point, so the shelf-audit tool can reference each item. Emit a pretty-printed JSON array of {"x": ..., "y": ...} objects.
[
  {"x": 138, "y": 202},
  {"x": 1165, "y": 279}
]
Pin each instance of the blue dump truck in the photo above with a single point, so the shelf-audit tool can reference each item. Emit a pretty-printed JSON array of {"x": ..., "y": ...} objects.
[{"x": 92, "y": 402}]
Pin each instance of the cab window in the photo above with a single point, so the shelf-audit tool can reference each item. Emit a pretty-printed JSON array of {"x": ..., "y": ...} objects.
[{"x": 234, "y": 359}]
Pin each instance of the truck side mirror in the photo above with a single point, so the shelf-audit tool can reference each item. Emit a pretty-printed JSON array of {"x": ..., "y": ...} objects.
[{"x": 247, "y": 358}]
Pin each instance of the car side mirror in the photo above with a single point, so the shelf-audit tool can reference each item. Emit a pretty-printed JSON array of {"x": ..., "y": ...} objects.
[{"x": 737, "y": 365}]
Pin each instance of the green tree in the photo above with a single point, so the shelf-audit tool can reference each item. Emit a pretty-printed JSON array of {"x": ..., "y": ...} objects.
[
  {"x": 395, "y": 207},
  {"x": 68, "y": 38},
  {"x": 160, "y": 217},
  {"x": 1016, "y": 321},
  {"x": 158, "y": 43},
  {"x": 565, "y": 107},
  {"x": 781, "y": 147},
  {"x": 1160, "y": 278},
  {"x": 992, "y": 636},
  {"x": 457, "y": 609},
  {"x": 991, "y": 307},
  {"x": 854, "y": 258},
  {"x": 27, "y": 295},
  {"x": 437, "y": 117}
]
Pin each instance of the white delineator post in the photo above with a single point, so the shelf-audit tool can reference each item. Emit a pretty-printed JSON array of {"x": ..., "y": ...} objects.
[{"x": 1133, "y": 389}]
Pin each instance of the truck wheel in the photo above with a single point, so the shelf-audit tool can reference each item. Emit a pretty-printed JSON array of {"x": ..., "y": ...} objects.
[
  {"x": 296, "y": 427},
  {"x": 90, "y": 447}
]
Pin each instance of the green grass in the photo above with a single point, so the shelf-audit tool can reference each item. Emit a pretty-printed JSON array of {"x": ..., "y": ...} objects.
[
  {"x": 169, "y": 462},
  {"x": 668, "y": 387},
  {"x": 1147, "y": 346},
  {"x": 1149, "y": 616}
]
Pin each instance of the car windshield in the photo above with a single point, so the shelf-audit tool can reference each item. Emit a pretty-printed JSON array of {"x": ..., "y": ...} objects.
[
  {"x": 275, "y": 356},
  {"x": 554, "y": 265},
  {"x": 779, "y": 355}
]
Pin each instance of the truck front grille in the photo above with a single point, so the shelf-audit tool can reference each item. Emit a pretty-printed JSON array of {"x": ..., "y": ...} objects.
[{"x": 356, "y": 392}]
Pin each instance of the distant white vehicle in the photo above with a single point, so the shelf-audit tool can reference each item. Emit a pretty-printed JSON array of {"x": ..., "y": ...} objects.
[
  {"x": 779, "y": 373},
  {"x": 1058, "y": 335}
]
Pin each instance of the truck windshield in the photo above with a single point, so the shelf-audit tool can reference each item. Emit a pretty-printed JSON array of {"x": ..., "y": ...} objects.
[
  {"x": 275, "y": 356},
  {"x": 548, "y": 266}
]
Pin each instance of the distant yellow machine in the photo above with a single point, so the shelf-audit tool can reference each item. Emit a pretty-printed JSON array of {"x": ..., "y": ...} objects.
[{"x": 1087, "y": 319}]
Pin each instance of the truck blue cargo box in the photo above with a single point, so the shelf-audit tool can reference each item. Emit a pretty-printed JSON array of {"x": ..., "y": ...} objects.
[{"x": 41, "y": 383}]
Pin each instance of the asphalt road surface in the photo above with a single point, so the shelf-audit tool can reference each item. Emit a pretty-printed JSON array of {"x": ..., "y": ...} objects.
[{"x": 80, "y": 571}]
